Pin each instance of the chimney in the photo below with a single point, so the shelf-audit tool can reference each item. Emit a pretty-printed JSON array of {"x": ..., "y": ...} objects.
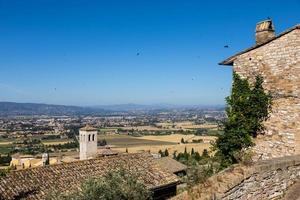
[{"x": 264, "y": 31}]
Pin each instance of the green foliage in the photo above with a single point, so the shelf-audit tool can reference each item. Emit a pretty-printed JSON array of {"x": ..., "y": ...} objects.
[
  {"x": 198, "y": 174},
  {"x": 5, "y": 160},
  {"x": 166, "y": 152},
  {"x": 74, "y": 130},
  {"x": 205, "y": 153},
  {"x": 182, "y": 141},
  {"x": 69, "y": 145},
  {"x": 102, "y": 142},
  {"x": 115, "y": 185},
  {"x": 4, "y": 172},
  {"x": 161, "y": 153},
  {"x": 197, "y": 141},
  {"x": 201, "y": 131},
  {"x": 193, "y": 158},
  {"x": 248, "y": 107}
]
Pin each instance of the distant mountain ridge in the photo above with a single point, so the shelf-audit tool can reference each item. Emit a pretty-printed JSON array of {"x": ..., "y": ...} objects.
[
  {"x": 13, "y": 108},
  {"x": 138, "y": 107}
]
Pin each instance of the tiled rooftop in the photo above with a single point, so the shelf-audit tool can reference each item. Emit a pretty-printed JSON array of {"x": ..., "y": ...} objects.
[
  {"x": 170, "y": 164},
  {"x": 36, "y": 183}
]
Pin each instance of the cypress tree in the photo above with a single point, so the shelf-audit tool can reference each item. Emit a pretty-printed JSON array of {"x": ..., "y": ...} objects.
[{"x": 166, "y": 152}]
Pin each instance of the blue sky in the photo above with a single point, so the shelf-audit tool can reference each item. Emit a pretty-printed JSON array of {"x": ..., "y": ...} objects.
[{"x": 113, "y": 52}]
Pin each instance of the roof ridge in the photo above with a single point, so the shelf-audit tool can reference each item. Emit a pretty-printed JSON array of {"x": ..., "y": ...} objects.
[{"x": 229, "y": 61}]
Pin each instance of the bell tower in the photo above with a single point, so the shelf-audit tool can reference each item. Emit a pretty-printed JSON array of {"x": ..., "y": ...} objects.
[{"x": 87, "y": 142}]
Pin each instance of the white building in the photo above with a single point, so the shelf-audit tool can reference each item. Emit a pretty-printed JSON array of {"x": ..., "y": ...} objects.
[{"x": 87, "y": 142}]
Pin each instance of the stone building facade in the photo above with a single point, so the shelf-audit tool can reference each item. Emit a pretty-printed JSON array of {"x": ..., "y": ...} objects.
[{"x": 277, "y": 60}]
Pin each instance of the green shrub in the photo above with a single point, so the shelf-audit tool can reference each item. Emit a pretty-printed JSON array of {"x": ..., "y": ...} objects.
[{"x": 115, "y": 185}]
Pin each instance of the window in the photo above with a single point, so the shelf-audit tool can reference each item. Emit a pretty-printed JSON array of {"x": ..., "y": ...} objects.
[
  {"x": 93, "y": 137},
  {"x": 89, "y": 137}
]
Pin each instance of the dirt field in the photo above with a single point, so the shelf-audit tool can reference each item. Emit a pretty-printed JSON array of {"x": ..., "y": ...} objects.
[
  {"x": 5, "y": 143},
  {"x": 58, "y": 141}
]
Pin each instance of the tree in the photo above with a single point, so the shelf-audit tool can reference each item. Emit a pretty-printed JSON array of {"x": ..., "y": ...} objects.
[
  {"x": 161, "y": 153},
  {"x": 166, "y": 153},
  {"x": 197, "y": 156},
  {"x": 5, "y": 160},
  {"x": 205, "y": 153},
  {"x": 182, "y": 141},
  {"x": 174, "y": 155},
  {"x": 102, "y": 142},
  {"x": 247, "y": 108},
  {"x": 113, "y": 185}
]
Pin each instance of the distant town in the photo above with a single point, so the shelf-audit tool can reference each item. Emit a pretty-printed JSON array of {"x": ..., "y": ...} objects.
[{"x": 26, "y": 137}]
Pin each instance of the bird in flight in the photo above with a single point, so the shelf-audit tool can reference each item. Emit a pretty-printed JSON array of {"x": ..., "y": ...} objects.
[{"x": 226, "y": 46}]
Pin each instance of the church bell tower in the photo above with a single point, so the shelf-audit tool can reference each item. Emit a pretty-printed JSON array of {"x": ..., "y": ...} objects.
[{"x": 87, "y": 142}]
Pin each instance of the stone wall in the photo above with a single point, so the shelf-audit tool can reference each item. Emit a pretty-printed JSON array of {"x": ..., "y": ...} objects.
[
  {"x": 279, "y": 63},
  {"x": 265, "y": 180}
]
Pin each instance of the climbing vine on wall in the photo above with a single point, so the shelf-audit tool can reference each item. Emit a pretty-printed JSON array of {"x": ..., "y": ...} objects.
[{"x": 247, "y": 108}]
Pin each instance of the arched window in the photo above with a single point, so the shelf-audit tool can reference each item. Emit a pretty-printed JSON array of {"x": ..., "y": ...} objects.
[
  {"x": 83, "y": 138},
  {"x": 93, "y": 137},
  {"x": 89, "y": 137}
]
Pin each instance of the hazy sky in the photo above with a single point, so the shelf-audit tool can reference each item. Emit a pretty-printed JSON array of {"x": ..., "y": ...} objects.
[{"x": 111, "y": 52}]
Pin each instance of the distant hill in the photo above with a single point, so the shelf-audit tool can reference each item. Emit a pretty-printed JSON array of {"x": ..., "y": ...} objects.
[
  {"x": 12, "y": 109},
  {"x": 140, "y": 107}
]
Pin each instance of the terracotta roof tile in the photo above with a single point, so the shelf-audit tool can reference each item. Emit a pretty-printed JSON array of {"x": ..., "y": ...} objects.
[
  {"x": 37, "y": 182},
  {"x": 170, "y": 164}
]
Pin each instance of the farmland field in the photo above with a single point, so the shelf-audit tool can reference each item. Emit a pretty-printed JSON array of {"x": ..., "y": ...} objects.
[
  {"x": 176, "y": 138},
  {"x": 156, "y": 143},
  {"x": 130, "y": 141},
  {"x": 5, "y": 148}
]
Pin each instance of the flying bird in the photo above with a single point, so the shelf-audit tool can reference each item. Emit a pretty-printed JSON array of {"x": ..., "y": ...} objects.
[
  {"x": 137, "y": 54},
  {"x": 226, "y": 46}
]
